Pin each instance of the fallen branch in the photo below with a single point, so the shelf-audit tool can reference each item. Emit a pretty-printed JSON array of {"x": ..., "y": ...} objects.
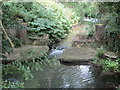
[{"x": 12, "y": 45}]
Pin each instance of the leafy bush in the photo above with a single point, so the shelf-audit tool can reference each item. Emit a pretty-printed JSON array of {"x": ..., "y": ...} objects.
[
  {"x": 43, "y": 18},
  {"x": 100, "y": 52},
  {"x": 111, "y": 65},
  {"x": 110, "y": 11},
  {"x": 12, "y": 11},
  {"x": 53, "y": 19},
  {"x": 9, "y": 84},
  {"x": 24, "y": 70},
  {"x": 83, "y": 9},
  {"x": 107, "y": 63}
]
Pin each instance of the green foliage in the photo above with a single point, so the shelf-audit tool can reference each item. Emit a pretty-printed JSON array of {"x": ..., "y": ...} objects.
[
  {"x": 111, "y": 65},
  {"x": 24, "y": 69},
  {"x": 114, "y": 40},
  {"x": 100, "y": 52},
  {"x": 17, "y": 68},
  {"x": 10, "y": 15},
  {"x": 6, "y": 47},
  {"x": 9, "y": 84},
  {"x": 108, "y": 64},
  {"x": 43, "y": 18},
  {"x": 52, "y": 21},
  {"x": 83, "y": 8},
  {"x": 16, "y": 42},
  {"x": 90, "y": 29},
  {"x": 110, "y": 11}
]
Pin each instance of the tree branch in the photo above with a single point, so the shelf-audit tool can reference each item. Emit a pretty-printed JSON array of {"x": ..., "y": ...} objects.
[{"x": 12, "y": 45}]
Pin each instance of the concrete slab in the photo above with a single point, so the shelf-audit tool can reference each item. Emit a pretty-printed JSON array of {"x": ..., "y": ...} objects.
[
  {"x": 78, "y": 54},
  {"x": 27, "y": 53}
]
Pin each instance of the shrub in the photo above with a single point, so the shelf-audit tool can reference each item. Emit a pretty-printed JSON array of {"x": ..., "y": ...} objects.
[
  {"x": 110, "y": 65},
  {"x": 43, "y": 18},
  {"x": 83, "y": 9},
  {"x": 100, "y": 52}
]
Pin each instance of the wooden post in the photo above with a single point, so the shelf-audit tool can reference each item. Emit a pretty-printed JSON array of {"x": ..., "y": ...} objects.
[
  {"x": 22, "y": 34},
  {"x": 0, "y": 44},
  {"x": 99, "y": 32},
  {"x": 12, "y": 45},
  {"x": 119, "y": 46}
]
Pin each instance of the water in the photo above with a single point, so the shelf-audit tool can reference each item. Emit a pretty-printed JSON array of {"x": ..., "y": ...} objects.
[
  {"x": 64, "y": 76},
  {"x": 56, "y": 53},
  {"x": 93, "y": 20}
]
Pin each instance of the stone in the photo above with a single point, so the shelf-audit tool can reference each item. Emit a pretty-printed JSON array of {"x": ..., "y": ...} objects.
[
  {"x": 20, "y": 20},
  {"x": 106, "y": 73},
  {"x": 40, "y": 41},
  {"x": 78, "y": 54},
  {"x": 111, "y": 55},
  {"x": 27, "y": 53}
]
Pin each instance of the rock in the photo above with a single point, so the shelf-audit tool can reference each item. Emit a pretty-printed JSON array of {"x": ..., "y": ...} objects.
[
  {"x": 106, "y": 73},
  {"x": 40, "y": 41},
  {"x": 27, "y": 53},
  {"x": 75, "y": 54},
  {"x": 110, "y": 55}
]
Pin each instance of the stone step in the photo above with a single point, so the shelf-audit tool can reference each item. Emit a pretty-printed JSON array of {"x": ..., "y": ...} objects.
[
  {"x": 84, "y": 41},
  {"x": 78, "y": 54},
  {"x": 27, "y": 52}
]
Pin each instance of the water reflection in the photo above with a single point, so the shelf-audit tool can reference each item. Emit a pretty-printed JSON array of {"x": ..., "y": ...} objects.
[
  {"x": 77, "y": 77},
  {"x": 62, "y": 76}
]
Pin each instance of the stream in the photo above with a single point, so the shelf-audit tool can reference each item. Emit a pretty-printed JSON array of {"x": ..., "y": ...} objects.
[{"x": 57, "y": 75}]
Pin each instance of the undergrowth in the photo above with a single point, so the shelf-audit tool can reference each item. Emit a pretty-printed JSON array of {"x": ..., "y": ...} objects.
[
  {"x": 42, "y": 17},
  {"x": 107, "y": 63},
  {"x": 24, "y": 69}
]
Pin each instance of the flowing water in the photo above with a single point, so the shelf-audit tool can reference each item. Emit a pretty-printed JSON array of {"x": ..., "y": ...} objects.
[{"x": 58, "y": 75}]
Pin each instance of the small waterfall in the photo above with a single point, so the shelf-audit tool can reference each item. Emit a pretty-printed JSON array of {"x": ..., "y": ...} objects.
[{"x": 56, "y": 53}]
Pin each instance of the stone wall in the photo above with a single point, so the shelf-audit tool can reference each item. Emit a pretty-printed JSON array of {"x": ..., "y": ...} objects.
[
  {"x": 39, "y": 41},
  {"x": 23, "y": 35}
]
